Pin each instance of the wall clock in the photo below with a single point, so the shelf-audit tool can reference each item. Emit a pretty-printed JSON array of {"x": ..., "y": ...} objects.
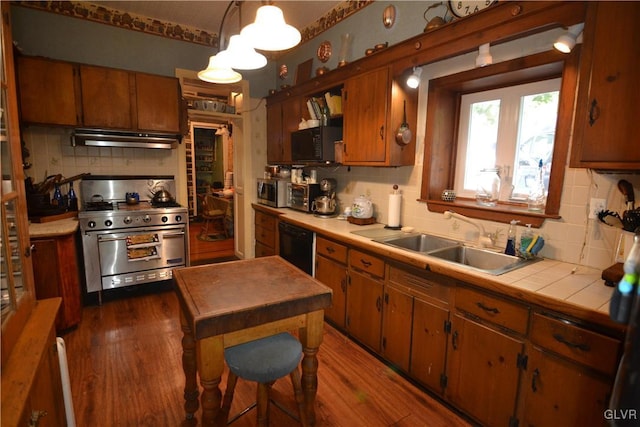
[
  {"x": 324, "y": 51},
  {"x": 462, "y": 8}
]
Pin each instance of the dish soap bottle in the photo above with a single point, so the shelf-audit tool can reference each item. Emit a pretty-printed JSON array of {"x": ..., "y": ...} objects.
[{"x": 510, "y": 249}]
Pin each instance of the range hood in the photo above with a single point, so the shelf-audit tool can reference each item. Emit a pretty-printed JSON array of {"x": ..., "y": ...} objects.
[{"x": 107, "y": 138}]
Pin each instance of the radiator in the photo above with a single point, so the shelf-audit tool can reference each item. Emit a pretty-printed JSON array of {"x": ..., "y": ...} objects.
[{"x": 66, "y": 384}]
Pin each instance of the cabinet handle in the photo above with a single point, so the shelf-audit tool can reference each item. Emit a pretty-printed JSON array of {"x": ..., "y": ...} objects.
[
  {"x": 594, "y": 112},
  {"x": 330, "y": 249},
  {"x": 382, "y": 133},
  {"x": 343, "y": 284},
  {"x": 29, "y": 250},
  {"x": 534, "y": 378},
  {"x": 563, "y": 340},
  {"x": 488, "y": 309},
  {"x": 35, "y": 417},
  {"x": 379, "y": 303},
  {"x": 365, "y": 263},
  {"x": 454, "y": 340}
]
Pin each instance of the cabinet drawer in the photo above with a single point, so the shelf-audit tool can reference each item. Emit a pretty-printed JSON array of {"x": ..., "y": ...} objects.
[
  {"x": 501, "y": 312},
  {"x": 366, "y": 262},
  {"x": 266, "y": 236},
  {"x": 266, "y": 221},
  {"x": 331, "y": 249},
  {"x": 434, "y": 287},
  {"x": 582, "y": 345}
]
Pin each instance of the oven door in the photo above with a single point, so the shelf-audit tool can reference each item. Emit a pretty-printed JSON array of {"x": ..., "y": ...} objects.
[{"x": 141, "y": 249}]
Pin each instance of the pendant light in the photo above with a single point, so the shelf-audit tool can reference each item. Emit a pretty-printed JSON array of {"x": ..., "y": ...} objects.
[
  {"x": 219, "y": 70},
  {"x": 242, "y": 56},
  {"x": 270, "y": 31}
]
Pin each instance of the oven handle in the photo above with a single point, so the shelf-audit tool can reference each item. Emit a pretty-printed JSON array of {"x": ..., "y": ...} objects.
[{"x": 173, "y": 235}]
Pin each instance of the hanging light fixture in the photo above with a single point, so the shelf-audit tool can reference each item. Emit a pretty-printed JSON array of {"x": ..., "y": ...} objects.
[
  {"x": 414, "y": 79},
  {"x": 484, "y": 56},
  {"x": 567, "y": 41},
  {"x": 242, "y": 56},
  {"x": 219, "y": 70},
  {"x": 270, "y": 31}
]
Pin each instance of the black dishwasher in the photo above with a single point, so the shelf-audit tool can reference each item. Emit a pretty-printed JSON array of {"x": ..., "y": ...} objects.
[{"x": 296, "y": 246}]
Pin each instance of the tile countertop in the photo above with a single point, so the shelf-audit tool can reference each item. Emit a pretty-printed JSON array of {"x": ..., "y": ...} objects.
[
  {"x": 571, "y": 289},
  {"x": 54, "y": 228}
]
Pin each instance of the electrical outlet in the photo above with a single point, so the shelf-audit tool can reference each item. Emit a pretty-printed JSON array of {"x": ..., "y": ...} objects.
[{"x": 595, "y": 206}]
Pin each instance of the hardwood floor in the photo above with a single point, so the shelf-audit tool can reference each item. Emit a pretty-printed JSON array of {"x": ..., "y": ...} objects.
[
  {"x": 205, "y": 252},
  {"x": 126, "y": 370}
]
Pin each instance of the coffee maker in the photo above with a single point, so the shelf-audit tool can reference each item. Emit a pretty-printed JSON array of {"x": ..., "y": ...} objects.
[{"x": 325, "y": 204}]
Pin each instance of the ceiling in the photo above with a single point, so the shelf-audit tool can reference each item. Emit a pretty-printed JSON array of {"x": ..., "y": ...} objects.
[{"x": 207, "y": 15}]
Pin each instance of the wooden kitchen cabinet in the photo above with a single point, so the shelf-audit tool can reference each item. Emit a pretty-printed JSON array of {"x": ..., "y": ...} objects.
[
  {"x": 373, "y": 109},
  {"x": 397, "y": 318},
  {"x": 364, "y": 298},
  {"x": 266, "y": 234},
  {"x": 48, "y": 92},
  {"x": 485, "y": 361},
  {"x": 429, "y": 343},
  {"x": 569, "y": 374},
  {"x": 331, "y": 269},
  {"x": 607, "y": 108},
  {"x": 56, "y": 274},
  {"x": 157, "y": 103},
  {"x": 106, "y": 97},
  {"x": 283, "y": 117}
]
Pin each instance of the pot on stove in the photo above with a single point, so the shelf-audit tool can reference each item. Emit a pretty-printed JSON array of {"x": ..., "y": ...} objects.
[
  {"x": 162, "y": 196},
  {"x": 324, "y": 205}
]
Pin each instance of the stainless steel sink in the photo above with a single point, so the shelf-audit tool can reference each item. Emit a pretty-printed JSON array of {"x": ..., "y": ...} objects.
[
  {"x": 420, "y": 242},
  {"x": 480, "y": 259}
]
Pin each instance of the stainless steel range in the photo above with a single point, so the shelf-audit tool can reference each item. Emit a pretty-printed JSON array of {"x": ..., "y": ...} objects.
[{"x": 128, "y": 237}]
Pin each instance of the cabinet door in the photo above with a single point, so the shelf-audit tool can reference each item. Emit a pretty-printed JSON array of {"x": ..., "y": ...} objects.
[
  {"x": 364, "y": 309},
  {"x": 365, "y": 117},
  {"x": 282, "y": 119},
  {"x": 106, "y": 98},
  {"x": 334, "y": 275},
  {"x": 607, "y": 111},
  {"x": 558, "y": 392},
  {"x": 482, "y": 372},
  {"x": 158, "y": 103},
  {"x": 396, "y": 327},
  {"x": 429, "y": 343},
  {"x": 47, "y": 92}
]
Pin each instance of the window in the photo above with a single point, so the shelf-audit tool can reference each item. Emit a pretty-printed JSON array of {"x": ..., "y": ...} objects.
[{"x": 511, "y": 129}]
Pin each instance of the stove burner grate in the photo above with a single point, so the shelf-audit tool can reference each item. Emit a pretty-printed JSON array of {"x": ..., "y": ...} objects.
[
  {"x": 98, "y": 206},
  {"x": 165, "y": 204}
]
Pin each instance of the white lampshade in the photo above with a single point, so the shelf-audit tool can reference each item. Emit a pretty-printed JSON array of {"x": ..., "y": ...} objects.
[
  {"x": 414, "y": 79},
  {"x": 567, "y": 41},
  {"x": 219, "y": 70},
  {"x": 269, "y": 31},
  {"x": 484, "y": 56},
  {"x": 242, "y": 56}
]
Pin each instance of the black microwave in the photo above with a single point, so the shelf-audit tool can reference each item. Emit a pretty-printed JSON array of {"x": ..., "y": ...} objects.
[{"x": 315, "y": 144}]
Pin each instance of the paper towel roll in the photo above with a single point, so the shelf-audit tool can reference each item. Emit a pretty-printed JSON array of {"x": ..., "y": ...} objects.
[{"x": 395, "y": 200}]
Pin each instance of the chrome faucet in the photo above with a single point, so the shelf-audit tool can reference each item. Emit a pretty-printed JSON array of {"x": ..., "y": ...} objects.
[{"x": 484, "y": 239}]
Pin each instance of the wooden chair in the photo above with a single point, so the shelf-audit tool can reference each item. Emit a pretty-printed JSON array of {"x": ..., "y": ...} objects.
[
  {"x": 213, "y": 214},
  {"x": 264, "y": 361}
]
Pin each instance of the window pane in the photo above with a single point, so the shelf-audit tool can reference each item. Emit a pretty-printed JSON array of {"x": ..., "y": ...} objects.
[
  {"x": 482, "y": 140},
  {"x": 536, "y": 134}
]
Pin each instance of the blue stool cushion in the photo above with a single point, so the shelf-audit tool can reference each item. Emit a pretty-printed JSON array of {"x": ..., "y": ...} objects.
[{"x": 266, "y": 359}]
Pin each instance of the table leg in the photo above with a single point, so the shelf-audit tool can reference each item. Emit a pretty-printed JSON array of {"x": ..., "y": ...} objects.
[
  {"x": 189, "y": 366},
  {"x": 210, "y": 366},
  {"x": 311, "y": 338}
]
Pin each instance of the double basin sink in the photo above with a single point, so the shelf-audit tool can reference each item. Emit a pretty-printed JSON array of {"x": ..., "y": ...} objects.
[{"x": 455, "y": 252}]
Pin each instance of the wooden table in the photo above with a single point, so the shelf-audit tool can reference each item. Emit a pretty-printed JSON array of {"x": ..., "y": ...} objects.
[{"x": 230, "y": 303}]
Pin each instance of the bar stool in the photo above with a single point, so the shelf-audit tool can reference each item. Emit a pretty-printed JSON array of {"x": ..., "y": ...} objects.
[{"x": 264, "y": 361}]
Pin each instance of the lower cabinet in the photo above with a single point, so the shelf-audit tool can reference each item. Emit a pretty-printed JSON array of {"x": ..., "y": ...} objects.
[
  {"x": 331, "y": 269},
  {"x": 266, "y": 234},
  {"x": 364, "y": 298},
  {"x": 56, "y": 274},
  {"x": 396, "y": 326},
  {"x": 429, "y": 344}
]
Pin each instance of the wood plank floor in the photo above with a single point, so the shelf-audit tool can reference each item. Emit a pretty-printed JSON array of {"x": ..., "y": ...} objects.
[
  {"x": 126, "y": 370},
  {"x": 205, "y": 252}
]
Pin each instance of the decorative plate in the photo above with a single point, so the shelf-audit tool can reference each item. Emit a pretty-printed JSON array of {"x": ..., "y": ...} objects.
[{"x": 324, "y": 51}]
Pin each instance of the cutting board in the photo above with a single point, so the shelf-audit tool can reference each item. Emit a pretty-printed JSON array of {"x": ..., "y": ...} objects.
[{"x": 56, "y": 217}]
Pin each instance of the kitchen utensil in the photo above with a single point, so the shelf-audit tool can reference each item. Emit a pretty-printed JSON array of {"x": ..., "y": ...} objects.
[
  {"x": 610, "y": 218},
  {"x": 626, "y": 188},
  {"x": 132, "y": 198},
  {"x": 362, "y": 208},
  {"x": 162, "y": 196},
  {"x": 324, "y": 205},
  {"x": 403, "y": 136},
  {"x": 631, "y": 220}
]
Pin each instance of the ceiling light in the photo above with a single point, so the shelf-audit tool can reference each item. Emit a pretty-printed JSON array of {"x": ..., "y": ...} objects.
[
  {"x": 242, "y": 56},
  {"x": 484, "y": 56},
  {"x": 567, "y": 41},
  {"x": 219, "y": 70},
  {"x": 269, "y": 31},
  {"x": 414, "y": 79}
]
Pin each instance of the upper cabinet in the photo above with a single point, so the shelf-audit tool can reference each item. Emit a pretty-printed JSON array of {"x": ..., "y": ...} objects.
[
  {"x": 96, "y": 97},
  {"x": 607, "y": 104},
  {"x": 47, "y": 91},
  {"x": 283, "y": 117},
  {"x": 374, "y": 110}
]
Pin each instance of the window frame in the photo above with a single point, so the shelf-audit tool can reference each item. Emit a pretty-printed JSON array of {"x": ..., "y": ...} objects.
[{"x": 441, "y": 135}]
